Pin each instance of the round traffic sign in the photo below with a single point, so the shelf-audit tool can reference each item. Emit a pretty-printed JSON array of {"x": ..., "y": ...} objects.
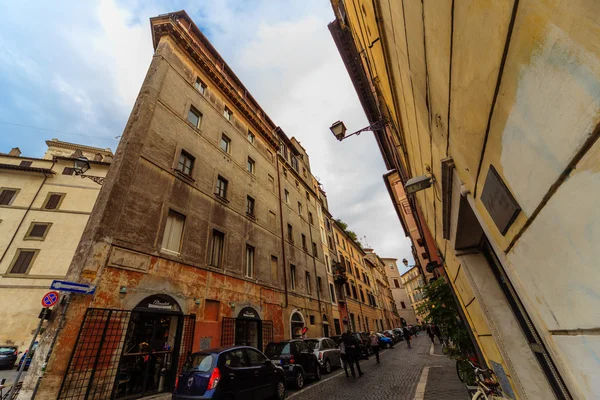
[
  {"x": 304, "y": 330},
  {"x": 50, "y": 299}
]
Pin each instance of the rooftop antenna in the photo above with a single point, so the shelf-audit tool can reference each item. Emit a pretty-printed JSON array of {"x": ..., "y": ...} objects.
[{"x": 366, "y": 243}]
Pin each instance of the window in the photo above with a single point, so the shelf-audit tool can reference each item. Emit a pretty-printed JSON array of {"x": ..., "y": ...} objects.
[
  {"x": 186, "y": 163},
  {"x": 310, "y": 218},
  {"x": 312, "y": 319},
  {"x": 314, "y": 249},
  {"x": 290, "y": 233},
  {"x": 22, "y": 261},
  {"x": 330, "y": 242},
  {"x": 227, "y": 113},
  {"x": 270, "y": 155},
  {"x": 347, "y": 287},
  {"x": 251, "y": 137},
  {"x": 234, "y": 359},
  {"x": 299, "y": 208},
  {"x": 68, "y": 171},
  {"x": 307, "y": 277},
  {"x": 53, "y": 201},
  {"x": 26, "y": 163},
  {"x": 304, "y": 172},
  {"x": 37, "y": 230},
  {"x": 402, "y": 304},
  {"x": 274, "y": 269},
  {"x": 250, "y": 165},
  {"x": 286, "y": 196},
  {"x": 295, "y": 163},
  {"x": 332, "y": 292},
  {"x": 307, "y": 196},
  {"x": 194, "y": 117},
  {"x": 354, "y": 294},
  {"x": 216, "y": 253},
  {"x": 304, "y": 243},
  {"x": 271, "y": 182},
  {"x": 7, "y": 196},
  {"x": 221, "y": 189},
  {"x": 272, "y": 220},
  {"x": 173, "y": 232},
  {"x": 255, "y": 358},
  {"x": 292, "y": 276},
  {"x": 392, "y": 267},
  {"x": 249, "y": 261},
  {"x": 320, "y": 285},
  {"x": 396, "y": 283},
  {"x": 249, "y": 206},
  {"x": 323, "y": 236},
  {"x": 200, "y": 86},
  {"x": 225, "y": 143},
  {"x": 327, "y": 224},
  {"x": 362, "y": 295}
]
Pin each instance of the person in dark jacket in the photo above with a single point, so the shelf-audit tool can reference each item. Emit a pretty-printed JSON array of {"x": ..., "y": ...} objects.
[
  {"x": 438, "y": 333},
  {"x": 406, "y": 334},
  {"x": 352, "y": 352},
  {"x": 430, "y": 333}
]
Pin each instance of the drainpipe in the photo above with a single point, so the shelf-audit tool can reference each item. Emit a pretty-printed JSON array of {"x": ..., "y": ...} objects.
[
  {"x": 285, "y": 285},
  {"x": 25, "y": 215}
]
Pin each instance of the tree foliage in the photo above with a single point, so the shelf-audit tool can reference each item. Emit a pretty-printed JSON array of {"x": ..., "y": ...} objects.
[
  {"x": 352, "y": 235},
  {"x": 439, "y": 307}
]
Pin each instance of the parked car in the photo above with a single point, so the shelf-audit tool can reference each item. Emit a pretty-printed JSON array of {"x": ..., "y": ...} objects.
[
  {"x": 337, "y": 339},
  {"x": 399, "y": 333},
  {"x": 391, "y": 335},
  {"x": 237, "y": 372},
  {"x": 384, "y": 341},
  {"x": 394, "y": 335},
  {"x": 27, "y": 357},
  {"x": 296, "y": 359},
  {"x": 8, "y": 356},
  {"x": 327, "y": 352},
  {"x": 364, "y": 343}
]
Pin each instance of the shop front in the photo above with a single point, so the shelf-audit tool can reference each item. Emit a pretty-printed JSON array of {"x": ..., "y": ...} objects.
[
  {"x": 128, "y": 354},
  {"x": 247, "y": 329}
]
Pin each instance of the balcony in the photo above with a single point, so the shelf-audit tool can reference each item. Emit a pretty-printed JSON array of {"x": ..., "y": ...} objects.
[{"x": 339, "y": 274}]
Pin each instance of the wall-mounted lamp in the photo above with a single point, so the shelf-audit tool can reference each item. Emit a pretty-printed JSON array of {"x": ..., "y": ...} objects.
[
  {"x": 81, "y": 165},
  {"x": 123, "y": 290},
  {"x": 418, "y": 183},
  {"x": 197, "y": 301},
  {"x": 405, "y": 262},
  {"x": 339, "y": 129}
]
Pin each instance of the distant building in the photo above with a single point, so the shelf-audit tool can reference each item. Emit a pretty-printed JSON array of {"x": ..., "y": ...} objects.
[
  {"x": 405, "y": 308},
  {"x": 413, "y": 281},
  {"x": 44, "y": 208}
]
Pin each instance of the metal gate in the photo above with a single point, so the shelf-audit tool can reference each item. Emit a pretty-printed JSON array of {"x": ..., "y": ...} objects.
[
  {"x": 267, "y": 333},
  {"x": 228, "y": 332},
  {"x": 94, "y": 363}
]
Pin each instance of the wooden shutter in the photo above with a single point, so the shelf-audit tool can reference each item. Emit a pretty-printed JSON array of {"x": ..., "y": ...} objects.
[
  {"x": 22, "y": 263},
  {"x": 6, "y": 196},
  {"x": 173, "y": 232},
  {"x": 53, "y": 201}
]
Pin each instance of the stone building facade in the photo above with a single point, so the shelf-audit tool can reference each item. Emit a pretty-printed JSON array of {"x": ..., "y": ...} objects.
[
  {"x": 399, "y": 292},
  {"x": 496, "y": 106},
  {"x": 207, "y": 232},
  {"x": 44, "y": 208}
]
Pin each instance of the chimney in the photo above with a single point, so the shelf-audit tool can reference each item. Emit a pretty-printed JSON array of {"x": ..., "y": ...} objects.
[{"x": 15, "y": 151}]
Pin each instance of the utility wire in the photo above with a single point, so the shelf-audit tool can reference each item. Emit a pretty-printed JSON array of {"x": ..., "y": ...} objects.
[{"x": 58, "y": 131}]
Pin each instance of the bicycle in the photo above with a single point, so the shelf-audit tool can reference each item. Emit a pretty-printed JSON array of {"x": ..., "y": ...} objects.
[
  {"x": 487, "y": 388},
  {"x": 3, "y": 395}
]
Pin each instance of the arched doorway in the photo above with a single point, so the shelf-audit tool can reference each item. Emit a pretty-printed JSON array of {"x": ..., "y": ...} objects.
[
  {"x": 296, "y": 325},
  {"x": 325, "y": 326},
  {"x": 248, "y": 328},
  {"x": 151, "y": 347}
]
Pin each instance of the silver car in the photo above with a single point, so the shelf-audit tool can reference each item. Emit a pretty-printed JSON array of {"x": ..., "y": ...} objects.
[{"x": 327, "y": 352}]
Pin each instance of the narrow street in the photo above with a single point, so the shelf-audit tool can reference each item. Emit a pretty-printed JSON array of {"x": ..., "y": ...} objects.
[{"x": 399, "y": 376}]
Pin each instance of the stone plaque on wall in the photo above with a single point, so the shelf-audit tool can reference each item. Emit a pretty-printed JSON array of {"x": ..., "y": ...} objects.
[
  {"x": 498, "y": 201},
  {"x": 127, "y": 259}
]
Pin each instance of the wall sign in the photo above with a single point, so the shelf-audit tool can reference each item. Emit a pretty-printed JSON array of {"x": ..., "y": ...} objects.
[
  {"x": 498, "y": 201},
  {"x": 158, "y": 302},
  {"x": 248, "y": 313}
]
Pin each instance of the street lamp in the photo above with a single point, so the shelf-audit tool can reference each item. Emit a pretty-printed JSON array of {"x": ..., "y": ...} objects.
[
  {"x": 339, "y": 129},
  {"x": 405, "y": 262},
  {"x": 81, "y": 165}
]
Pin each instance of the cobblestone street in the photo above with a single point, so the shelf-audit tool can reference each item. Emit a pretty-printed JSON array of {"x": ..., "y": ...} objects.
[{"x": 397, "y": 377}]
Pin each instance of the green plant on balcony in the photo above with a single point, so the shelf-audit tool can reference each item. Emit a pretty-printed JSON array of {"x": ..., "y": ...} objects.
[{"x": 339, "y": 274}]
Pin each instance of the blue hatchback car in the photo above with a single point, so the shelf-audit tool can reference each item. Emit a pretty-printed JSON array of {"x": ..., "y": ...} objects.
[
  {"x": 384, "y": 341},
  {"x": 238, "y": 372}
]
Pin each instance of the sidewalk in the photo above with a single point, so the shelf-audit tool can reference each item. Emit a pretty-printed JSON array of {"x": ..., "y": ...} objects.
[{"x": 439, "y": 381}]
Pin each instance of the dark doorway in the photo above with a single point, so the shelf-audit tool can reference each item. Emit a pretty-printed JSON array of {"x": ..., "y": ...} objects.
[
  {"x": 296, "y": 325},
  {"x": 325, "y": 326},
  {"x": 248, "y": 329}
]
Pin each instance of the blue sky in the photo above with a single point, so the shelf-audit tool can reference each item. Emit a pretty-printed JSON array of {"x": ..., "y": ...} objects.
[{"x": 75, "y": 68}]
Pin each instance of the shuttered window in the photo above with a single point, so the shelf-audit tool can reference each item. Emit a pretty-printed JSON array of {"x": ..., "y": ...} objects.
[
  {"x": 38, "y": 231},
  {"x": 7, "y": 196},
  {"x": 53, "y": 201},
  {"x": 173, "y": 232},
  {"x": 216, "y": 255},
  {"x": 249, "y": 261},
  {"x": 22, "y": 261}
]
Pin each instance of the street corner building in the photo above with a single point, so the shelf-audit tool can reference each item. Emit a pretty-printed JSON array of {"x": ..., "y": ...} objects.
[
  {"x": 45, "y": 205},
  {"x": 210, "y": 230},
  {"x": 487, "y": 116}
]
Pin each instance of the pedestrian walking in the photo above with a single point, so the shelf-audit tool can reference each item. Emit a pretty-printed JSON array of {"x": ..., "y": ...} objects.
[
  {"x": 352, "y": 353},
  {"x": 430, "y": 333},
  {"x": 438, "y": 333},
  {"x": 344, "y": 357},
  {"x": 375, "y": 345},
  {"x": 406, "y": 334}
]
